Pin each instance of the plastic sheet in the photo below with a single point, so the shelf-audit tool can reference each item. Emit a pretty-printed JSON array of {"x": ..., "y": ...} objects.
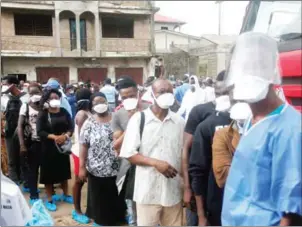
[{"x": 40, "y": 216}]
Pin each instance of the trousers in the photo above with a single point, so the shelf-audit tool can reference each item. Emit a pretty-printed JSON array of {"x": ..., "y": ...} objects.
[{"x": 16, "y": 165}]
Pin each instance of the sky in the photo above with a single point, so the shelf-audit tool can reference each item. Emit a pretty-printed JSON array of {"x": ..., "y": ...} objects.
[{"x": 202, "y": 16}]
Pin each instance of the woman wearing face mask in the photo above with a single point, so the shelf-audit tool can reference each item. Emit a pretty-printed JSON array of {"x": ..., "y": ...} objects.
[
  {"x": 99, "y": 163},
  {"x": 54, "y": 126},
  {"x": 226, "y": 140},
  {"x": 83, "y": 112},
  {"x": 30, "y": 145}
]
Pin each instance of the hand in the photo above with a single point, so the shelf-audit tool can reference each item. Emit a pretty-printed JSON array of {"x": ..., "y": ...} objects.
[
  {"x": 60, "y": 139},
  {"x": 187, "y": 197},
  {"x": 166, "y": 169},
  {"x": 83, "y": 174},
  {"x": 202, "y": 220},
  {"x": 23, "y": 148}
]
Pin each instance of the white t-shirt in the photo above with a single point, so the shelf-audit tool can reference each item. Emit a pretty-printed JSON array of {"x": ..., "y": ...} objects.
[{"x": 33, "y": 115}]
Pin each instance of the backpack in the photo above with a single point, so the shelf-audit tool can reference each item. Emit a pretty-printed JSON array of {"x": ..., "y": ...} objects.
[
  {"x": 131, "y": 172},
  {"x": 12, "y": 115}
]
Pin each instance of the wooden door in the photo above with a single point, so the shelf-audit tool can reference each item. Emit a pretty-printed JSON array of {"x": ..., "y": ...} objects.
[
  {"x": 135, "y": 73},
  {"x": 44, "y": 73},
  {"x": 94, "y": 75}
]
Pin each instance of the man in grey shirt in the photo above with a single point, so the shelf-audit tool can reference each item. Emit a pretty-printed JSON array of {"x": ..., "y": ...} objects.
[{"x": 130, "y": 104}]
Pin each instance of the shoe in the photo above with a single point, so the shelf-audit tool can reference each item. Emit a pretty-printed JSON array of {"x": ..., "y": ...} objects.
[
  {"x": 56, "y": 198},
  {"x": 25, "y": 189},
  {"x": 80, "y": 218},
  {"x": 95, "y": 224},
  {"x": 50, "y": 206},
  {"x": 32, "y": 201},
  {"x": 67, "y": 199}
]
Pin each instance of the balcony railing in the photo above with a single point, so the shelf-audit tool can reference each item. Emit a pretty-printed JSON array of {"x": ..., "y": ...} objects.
[{"x": 125, "y": 45}]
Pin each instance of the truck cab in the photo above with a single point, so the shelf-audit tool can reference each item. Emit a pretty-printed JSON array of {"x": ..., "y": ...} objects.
[{"x": 282, "y": 21}]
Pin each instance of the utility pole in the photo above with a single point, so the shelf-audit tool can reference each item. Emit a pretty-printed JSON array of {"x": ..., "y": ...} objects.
[{"x": 219, "y": 16}]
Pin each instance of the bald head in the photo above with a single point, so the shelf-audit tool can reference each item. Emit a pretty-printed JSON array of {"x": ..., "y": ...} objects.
[{"x": 162, "y": 86}]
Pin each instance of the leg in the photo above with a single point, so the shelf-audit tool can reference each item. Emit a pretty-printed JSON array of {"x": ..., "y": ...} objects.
[
  {"x": 191, "y": 218},
  {"x": 76, "y": 193},
  {"x": 172, "y": 216},
  {"x": 13, "y": 160},
  {"x": 34, "y": 163},
  {"x": 49, "y": 204},
  {"x": 148, "y": 215},
  {"x": 66, "y": 197}
]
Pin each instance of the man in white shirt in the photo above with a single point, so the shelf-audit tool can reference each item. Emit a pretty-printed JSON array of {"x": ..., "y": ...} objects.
[
  {"x": 157, "y": 154},
  {"x": 110, "y": 93}
]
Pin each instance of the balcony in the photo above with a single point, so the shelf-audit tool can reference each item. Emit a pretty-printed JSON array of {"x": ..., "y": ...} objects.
[{"x": 115, "y": 47}]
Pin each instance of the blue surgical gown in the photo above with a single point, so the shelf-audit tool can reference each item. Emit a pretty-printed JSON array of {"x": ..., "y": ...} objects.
[{"x": 264, "y": 181}]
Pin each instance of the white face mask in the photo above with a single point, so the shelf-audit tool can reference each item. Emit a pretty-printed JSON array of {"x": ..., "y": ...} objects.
[
  {"x": 259, "y": 96},
  {"x": 5, "y": 88},
  {"x": 100, "y": 108},
  {"x": 35, "y": 98},
  {"x": 240, "y": 125},
  {"x": 223, "y": 103},
  {"x": 164, "y": 101},
  {"x": 71, "y": 92},
  {"x": 54, "y": 103},
  {"x": 130, "y": 104}
]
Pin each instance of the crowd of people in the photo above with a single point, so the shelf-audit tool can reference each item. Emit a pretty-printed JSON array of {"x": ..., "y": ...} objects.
[{"x": 227, "y": 150}]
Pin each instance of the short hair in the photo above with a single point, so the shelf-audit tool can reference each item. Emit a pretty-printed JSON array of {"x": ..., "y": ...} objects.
[
  {"x": 11, "y": 79},
  {"x": 126, "y": 83},
  {"x": 220, "y": 76},
  {"x": 108, "y": 81}
]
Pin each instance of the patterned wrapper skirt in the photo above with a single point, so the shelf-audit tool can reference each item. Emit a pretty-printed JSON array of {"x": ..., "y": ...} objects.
[{"x": 4, "y": 159}]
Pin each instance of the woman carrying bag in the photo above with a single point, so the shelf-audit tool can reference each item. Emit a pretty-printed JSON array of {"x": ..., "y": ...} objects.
[{"x": 55, "y": 127}]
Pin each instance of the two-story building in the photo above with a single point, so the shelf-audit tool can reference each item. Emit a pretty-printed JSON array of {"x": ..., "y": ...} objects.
[{"x": 77, "y": 40}]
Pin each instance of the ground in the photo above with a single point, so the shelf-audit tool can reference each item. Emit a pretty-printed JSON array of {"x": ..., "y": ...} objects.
[{"x": 62, "y": 216}]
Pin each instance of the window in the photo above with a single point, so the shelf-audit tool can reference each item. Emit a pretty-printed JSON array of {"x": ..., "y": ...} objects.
[
  {"x": 116, "y": 27},
  {"x": 33, "y": 25},
  {"x": 164, "y": 28},
  {"x": 73, "y": 34}
]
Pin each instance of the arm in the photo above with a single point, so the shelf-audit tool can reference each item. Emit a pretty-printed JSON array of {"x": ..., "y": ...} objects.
[
  {"x": 70, "y": 128},
  {"x": 42, "y": 127},
  {"x": 118, "y": 138},
  {"x": 222, "y": 157},
  {"x": 84, "y": 146},
  {"x": 21, "y": 121},
  {"x": 287, "y": 174},
  {"x": 199, "y": 170}
]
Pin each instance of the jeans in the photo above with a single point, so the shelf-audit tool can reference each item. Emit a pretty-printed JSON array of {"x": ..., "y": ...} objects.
[
  {"x": 131, "y": 211},
  {"x": 16, "y": 165},
  {"x": 191, "y": 218},
  {"x": 34, "y": 162}
]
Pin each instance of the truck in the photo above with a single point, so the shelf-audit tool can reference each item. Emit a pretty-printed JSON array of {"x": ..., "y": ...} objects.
[{"x": 282, "y": 21}]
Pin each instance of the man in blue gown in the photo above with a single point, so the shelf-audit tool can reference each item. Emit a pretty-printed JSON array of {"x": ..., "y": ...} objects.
[{"x": 264, "y": 183}]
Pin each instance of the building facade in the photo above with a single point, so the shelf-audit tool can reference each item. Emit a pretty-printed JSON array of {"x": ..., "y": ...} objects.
[{"x": 77, "y": 40}]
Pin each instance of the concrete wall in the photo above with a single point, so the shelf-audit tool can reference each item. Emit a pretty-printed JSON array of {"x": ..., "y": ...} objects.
[
  {"x": 28, "y": 65},
  {"x": 140, "y": 43},
  {"x": 163, "y": 40},
  {"x": 23, "y": 43}
]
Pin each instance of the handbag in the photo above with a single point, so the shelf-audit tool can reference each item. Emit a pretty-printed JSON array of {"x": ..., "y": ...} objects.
[{"x": 64, "y": 148}]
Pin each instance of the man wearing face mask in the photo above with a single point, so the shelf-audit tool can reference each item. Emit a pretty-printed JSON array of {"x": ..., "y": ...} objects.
[
  {"x": 207, "y": 194},
  {"x": 131, "y": 103},
  {"x": 265, "y": 176},
  {"x": 11, "y": 103},
  {"x": 30, "y": 145},
  {"x": 157, "y": 155},
  {"x": 226, "y": 140}
]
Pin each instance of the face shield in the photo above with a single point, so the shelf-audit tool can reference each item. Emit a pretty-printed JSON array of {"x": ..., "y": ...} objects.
[{"x": 253, "y": 67}]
